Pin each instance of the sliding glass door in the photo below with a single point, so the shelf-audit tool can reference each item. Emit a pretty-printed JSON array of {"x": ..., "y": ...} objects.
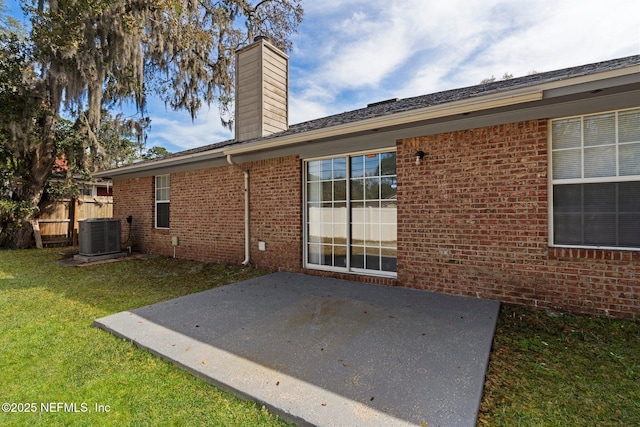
[{"x": 351, "y": 213}]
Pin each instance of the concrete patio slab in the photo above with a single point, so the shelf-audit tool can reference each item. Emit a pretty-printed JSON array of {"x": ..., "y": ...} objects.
[{"x": 327, "y": 352}]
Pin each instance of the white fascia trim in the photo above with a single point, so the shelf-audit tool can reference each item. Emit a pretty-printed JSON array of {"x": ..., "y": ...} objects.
[
  {"x": 402, "y": 118},
  {"x": 589, "y": 78},
  {"x": 162, "y": 163}
]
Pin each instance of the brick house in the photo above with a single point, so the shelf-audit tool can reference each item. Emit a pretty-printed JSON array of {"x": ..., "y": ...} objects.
[{"x": 525, "y": 190}]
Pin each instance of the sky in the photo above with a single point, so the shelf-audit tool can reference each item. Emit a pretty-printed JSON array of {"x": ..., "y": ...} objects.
[{"x": 350, "y": 53}]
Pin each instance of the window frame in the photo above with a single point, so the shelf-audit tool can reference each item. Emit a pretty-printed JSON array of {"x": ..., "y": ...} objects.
[
  {"x": 552, "y": 182},
  {"x": 349, "y": 220},
  {"x": 158, "y": 201}
]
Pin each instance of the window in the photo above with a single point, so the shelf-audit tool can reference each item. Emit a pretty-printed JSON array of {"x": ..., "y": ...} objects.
[
  {"x": 351, "y": 213},
  {"x": 162, "y": 201},
  {"x": 595, "y": 180},
  {"x": 104, "y": 191}
]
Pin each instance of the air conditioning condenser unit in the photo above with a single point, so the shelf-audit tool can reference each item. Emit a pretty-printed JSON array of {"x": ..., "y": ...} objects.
[{"x": 98, "y": 236}]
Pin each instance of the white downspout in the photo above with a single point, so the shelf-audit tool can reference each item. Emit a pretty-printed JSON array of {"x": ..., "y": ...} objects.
[{"x": 247, "y": 241}]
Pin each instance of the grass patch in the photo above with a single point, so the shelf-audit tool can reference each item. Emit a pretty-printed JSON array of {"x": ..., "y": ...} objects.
[
  {"x": 562, "y": 370},
  {"x": 544, "y": 370},
  {"x": 52, "y": 353}
]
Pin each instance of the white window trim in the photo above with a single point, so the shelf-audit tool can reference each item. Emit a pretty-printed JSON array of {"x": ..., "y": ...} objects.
[
  {"x": 305, "y": 242},
  {"x": 551, "y": 181},
  {"x": 155, "y": 197}
]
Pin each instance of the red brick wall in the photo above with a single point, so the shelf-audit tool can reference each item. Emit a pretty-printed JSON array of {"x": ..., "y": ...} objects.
[
  {"x": 473, "y": 220},
  {"x": 134, "y": 197},
  {"x": 207, "y": 214},
  {"x": 276, "y": 213}
]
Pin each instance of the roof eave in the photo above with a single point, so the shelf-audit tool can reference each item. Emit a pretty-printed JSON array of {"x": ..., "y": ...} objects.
[
  {"x": 161, "y": 164},
  {"x": 395, "y": 119},
  {"x": 468, "y": 105}
]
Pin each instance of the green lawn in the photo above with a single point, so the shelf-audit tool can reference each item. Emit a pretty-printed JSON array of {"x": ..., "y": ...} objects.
[
  {"x": 51, "y": 353},
  {"x": 544, "y": 370}
]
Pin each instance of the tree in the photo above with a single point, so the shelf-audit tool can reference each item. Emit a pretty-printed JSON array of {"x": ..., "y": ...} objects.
[
  {"x": 122, "y": 138},
  {"x": 26, "y": 160},
  {"x": 83, "y": 56},
  {"x": 505, "y": 76},
  {"x": 155, "y": 153},
  {"x": 24, "y": 123},
  {"x": 8, "y": 23}
]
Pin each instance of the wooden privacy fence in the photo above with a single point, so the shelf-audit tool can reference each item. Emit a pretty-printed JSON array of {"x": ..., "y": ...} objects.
[{"x": 57, "y": 223}]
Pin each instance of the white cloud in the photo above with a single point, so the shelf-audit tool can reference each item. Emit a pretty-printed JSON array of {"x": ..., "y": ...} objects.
[
  {"x": 415, "y": 47},
  {"x": 358, "y": 47},
  {"x": 570, "y": 33},
  {"x": 379, "y": 48},
  {"x": 176, "y": 132},
  {"x": 302, "y": 110},
  {"x": 349, "y": 53}
]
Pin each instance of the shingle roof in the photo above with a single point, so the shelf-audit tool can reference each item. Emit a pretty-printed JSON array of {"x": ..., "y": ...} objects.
[
  {"x": 444, "y": 97},
  {"x": 393, "y": 106}
]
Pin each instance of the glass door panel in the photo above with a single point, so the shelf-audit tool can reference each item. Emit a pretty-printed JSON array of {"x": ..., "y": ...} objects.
[
  {"x": 374, "y": 212},
  {"x": 354, "y": 226},
  {"x": 327, "y": 212}
]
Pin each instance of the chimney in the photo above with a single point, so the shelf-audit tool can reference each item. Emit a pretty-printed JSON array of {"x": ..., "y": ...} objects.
[{"x": 262, "y": 90}]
